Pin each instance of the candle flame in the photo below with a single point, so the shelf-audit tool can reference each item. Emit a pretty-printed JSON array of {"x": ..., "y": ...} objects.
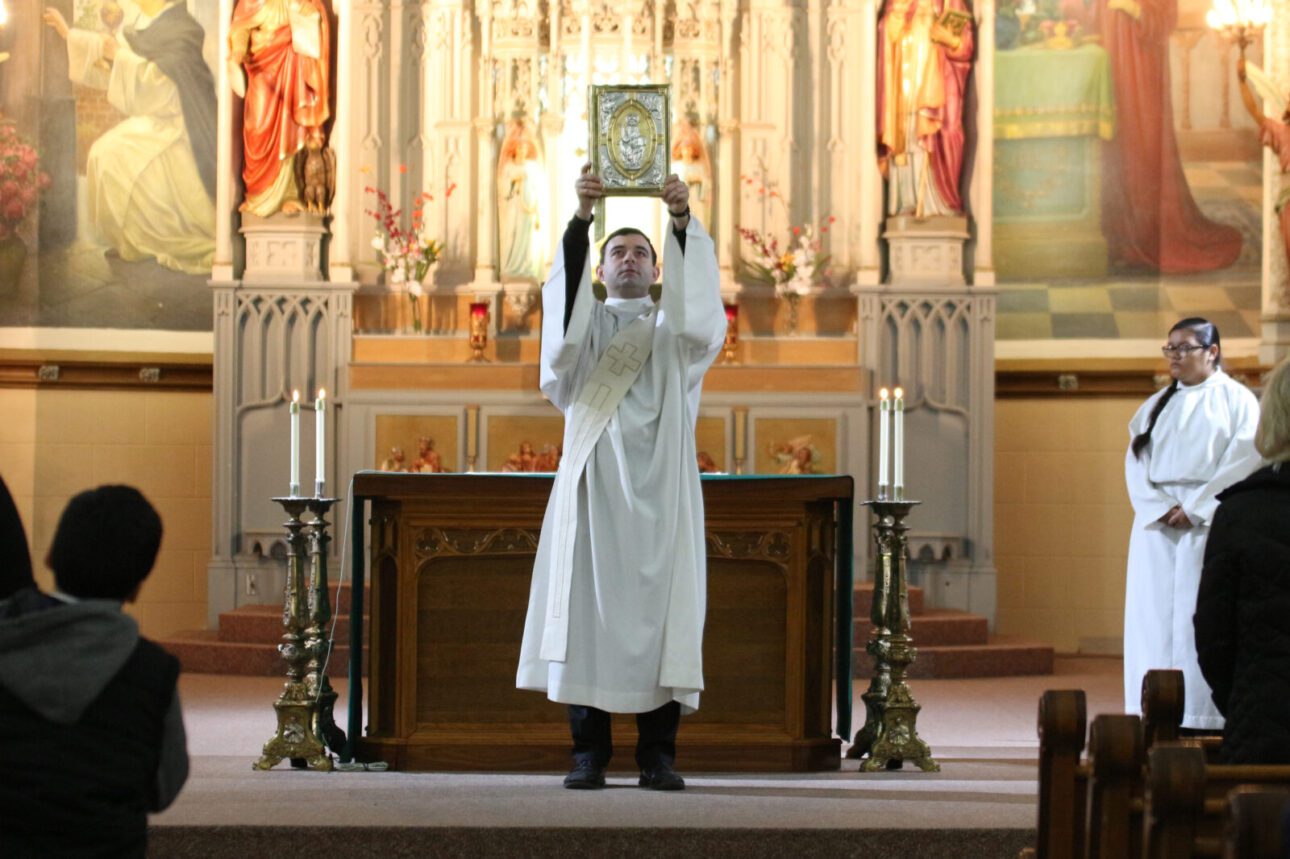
[
  {"x": 883, "y": 394},
  {"x": 900, "y": 392},
  {"x": 295, "y": 396},
  {"x": 322, "y": 392}
]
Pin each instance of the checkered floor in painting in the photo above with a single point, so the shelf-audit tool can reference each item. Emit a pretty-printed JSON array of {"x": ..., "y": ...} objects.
[{"x": 1134, "y": 306}]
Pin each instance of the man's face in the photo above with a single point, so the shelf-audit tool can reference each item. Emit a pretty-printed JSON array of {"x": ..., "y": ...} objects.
[{"x": 628, "y": 268}]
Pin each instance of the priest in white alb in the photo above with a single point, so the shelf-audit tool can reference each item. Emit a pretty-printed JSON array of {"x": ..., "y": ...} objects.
[{"x": 619, "y": 592}]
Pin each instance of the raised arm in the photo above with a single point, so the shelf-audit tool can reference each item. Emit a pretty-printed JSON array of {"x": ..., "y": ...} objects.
[
  {"x": 691, "y": 301},
  {"x": 1247, "y": 95}
]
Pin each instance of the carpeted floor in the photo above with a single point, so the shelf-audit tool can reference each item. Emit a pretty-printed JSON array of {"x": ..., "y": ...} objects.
[{"x": 982, "y": 803}]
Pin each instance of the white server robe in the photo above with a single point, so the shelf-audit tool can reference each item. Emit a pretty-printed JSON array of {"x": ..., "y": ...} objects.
[
  {"x": 1202, "y": 443},
  {"x": 638, "y": 593}
]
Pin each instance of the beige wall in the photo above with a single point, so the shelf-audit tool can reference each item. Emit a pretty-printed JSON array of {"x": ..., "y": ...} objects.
[
  {"x": 1062, "y": 519},
  {"x": 1061, "y": 515},
  {"x": 54, "y": 444}
]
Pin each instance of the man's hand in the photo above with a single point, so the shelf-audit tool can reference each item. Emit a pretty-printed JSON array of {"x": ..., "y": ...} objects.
[
  {"x": 589, "y": 189},
  {"x": 676, "y": 196},
  {"x": 55, "y": 20},
  {"x": 1178, "y": 519}
]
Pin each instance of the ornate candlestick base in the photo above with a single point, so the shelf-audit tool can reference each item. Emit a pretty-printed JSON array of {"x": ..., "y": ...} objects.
[
  {"x": 890, "y": 735},
  {"x": 306, "y": 726}
]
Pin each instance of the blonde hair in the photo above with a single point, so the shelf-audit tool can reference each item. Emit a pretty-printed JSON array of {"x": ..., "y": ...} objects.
[{"x": 1272, "y": 438}]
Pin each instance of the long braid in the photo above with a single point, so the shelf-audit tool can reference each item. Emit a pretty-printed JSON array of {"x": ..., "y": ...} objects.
[
  {"x": 1142, "y": 439},
  {"x": 1207, "y": 335}
]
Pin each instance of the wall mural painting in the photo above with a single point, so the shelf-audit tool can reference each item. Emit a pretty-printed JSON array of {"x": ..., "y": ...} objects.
[
  {"x": 421, "y": 444},
  {"x": 1127, "y": 175},
  {"x": 107, "y": 163},
  {"x": 796, "y": 446}
]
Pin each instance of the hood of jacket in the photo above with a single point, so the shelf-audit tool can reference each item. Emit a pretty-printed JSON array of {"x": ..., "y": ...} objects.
[{"x": 57, "y": 660}]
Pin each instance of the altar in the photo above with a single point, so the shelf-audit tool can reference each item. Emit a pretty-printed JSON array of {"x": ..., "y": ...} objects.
[
  {"x": 451, "y": 557},
  {"x": 1054, "y": 108}
]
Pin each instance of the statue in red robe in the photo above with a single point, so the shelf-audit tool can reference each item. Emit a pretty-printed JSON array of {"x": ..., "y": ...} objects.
[
  {"x": 284, "y": 46},
  {"x": 1149, "y": 217},
  {"x": 925, "y": 50}
]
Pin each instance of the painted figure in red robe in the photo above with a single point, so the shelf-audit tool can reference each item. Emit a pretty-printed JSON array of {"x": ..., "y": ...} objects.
[
  {"x": 1276, "y": 136},
  {"x": 284, "y": 46},
  {"x": 1149, "y": 216}
]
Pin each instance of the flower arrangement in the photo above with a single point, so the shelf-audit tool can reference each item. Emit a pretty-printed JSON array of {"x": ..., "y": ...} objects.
[
  {"x": 21, "y": 179},
  {"x": 796, "y": 268},
  {"x": 406, "y": 254}
]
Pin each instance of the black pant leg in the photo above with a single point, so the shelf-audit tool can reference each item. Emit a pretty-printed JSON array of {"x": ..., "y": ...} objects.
[
  {"x": 592, "y": 736},
  {"x": 656, "y": 742}
]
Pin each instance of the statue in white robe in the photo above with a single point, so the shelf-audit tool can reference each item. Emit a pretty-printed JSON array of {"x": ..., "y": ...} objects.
[
  {"x": 1203, "y": 442},
  {"x": 637, "y": 583}
]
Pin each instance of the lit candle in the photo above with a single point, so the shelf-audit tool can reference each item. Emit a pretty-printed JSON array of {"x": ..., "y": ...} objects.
[
  {"x": 884, "y": 408},
  {"x": 898, "y": 445},
  {"x": 295, "y": 444},
  {"x": 320, "y": 449}
]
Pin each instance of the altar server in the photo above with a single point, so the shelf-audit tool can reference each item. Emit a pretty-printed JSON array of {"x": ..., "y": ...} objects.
[
  {"x": 619, "y": 591},
  {"x": 1190, "y": 441}
]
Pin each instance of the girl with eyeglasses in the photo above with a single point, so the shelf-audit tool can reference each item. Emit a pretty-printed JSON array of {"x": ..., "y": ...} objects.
[{"x": 1189, "y": 442}]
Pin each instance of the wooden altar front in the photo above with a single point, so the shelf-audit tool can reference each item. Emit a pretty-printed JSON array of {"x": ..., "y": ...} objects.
[{"x": 451, "y": 559}]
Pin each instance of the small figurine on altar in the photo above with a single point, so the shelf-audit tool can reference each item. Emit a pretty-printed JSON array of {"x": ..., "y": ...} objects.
[
  {"x": 548, "y": 459},
  {"x": 707, "y": 465},
  {"x": 523, "y": 460},
  {"x": 395, "y": 461},
  {"x": 428, "y": 460},
  {"x": 796, "y": 456},
  {"x": 925, "y": 52}
]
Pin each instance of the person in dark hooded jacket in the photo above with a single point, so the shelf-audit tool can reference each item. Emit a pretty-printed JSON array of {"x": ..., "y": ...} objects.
[
  {"x": 15, "y": 558},
  {"x": 91, "y": 732},
  {"x": 1242, "y": 619}
]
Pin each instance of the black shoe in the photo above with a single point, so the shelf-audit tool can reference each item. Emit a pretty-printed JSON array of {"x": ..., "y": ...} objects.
[
  {"x": 662, "y": 777},
  {"x": 585, "y": 775}
]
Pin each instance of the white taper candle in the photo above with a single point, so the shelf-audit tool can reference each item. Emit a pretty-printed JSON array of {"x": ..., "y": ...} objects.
[
  {"x": 884, "y": 405},
  {"x": 295, "y": 443},
  {"x": 320, "y": 447},
  {"x": 898, "y": 445}
]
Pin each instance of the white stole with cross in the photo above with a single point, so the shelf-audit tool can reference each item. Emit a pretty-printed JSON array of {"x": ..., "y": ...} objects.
[{"x": 604, "y": 389}]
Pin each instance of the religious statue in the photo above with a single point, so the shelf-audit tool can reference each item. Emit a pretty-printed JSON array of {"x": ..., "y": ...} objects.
[
  {"x": 707, "y": 465},
  {"x": 925, "y": 50},
  {"x": 395, "y": 461},
  {"x": 428, "y": 460},
  {"x": 690, "y": 161},
  {"x": 284, "y": 47},
  {"x": 796, "y": 456},
  {"x": 548, "y": 459},
  {"x": 521, "y": 199},
  {"x": 523, "y": 460},
  {"x": 1275, "y": 134}
]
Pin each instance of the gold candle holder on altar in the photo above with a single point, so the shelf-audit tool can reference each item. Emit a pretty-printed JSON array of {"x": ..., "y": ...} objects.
[
  {"x": 729, "y": 349},
  {"x": 479, "y": 318}
]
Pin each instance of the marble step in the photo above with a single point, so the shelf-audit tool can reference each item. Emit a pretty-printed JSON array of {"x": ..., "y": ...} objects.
[
  {"x": 935, "y": 627},
  {"x": 863, "y": 600},
  {"x": 263, "y": 623},
  {"x": 1000, "y": 657},
  {"x": 202, "y": 652}
]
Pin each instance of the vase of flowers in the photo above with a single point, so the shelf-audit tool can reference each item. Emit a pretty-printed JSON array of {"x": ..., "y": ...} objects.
[
  {"x": 795, "y": 268},
  {"x": 21, "y": 183},
  {"x": 407, "y": 255}
]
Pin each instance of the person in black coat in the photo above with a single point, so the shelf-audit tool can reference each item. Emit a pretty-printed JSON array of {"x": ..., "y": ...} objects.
[{"x": 1242, "y": 618}]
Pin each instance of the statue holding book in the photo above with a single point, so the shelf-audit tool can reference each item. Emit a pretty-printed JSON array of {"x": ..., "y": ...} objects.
[{"x": 925, "y": 51}]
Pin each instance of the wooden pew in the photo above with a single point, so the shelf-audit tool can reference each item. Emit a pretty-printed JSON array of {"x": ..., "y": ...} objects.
[
  {"x": 1186, "y": 800},
  {"x": 1066, "y": 806},
  {"x": 1256, "y": 823}
]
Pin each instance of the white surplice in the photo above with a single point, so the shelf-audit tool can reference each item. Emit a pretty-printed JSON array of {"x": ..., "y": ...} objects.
[
  {"x": 1202, "y": 443},
  {"x": 638, "y": 586}
]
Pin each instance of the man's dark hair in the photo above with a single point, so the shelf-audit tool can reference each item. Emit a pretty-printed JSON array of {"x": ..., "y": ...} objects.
[
  {"x": 628, "y": 231},
  {"x": 106, "y": 543}
]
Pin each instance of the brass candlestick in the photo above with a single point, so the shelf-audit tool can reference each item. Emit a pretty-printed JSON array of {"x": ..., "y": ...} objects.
[
  {"x": 297, "y": 736},
  {"x": 306, "y": 724},
  {"x": 890, "y": 735}
]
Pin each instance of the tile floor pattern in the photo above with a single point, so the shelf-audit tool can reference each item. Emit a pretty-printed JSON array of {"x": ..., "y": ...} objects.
[{"x": 1134, "y": 306}]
